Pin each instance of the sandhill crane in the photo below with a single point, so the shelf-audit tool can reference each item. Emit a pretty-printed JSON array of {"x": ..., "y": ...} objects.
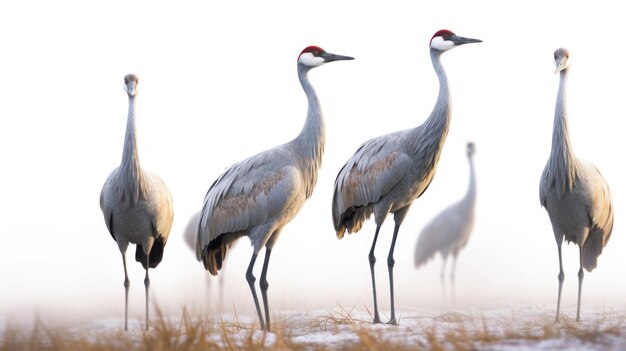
[
  {"x": 387, "y": 173},
  {"x": 191, "y": 232},
  {"x": 574, "y": 193},
  {"x": 258, "y": 196},
  {"x": 450, "y": 230},
  {"x": 136, "y": 204}
]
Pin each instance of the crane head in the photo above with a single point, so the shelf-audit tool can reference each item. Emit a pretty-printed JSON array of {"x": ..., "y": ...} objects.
[
  {"x": 445, "y": 40},
  {"x": 561, "y": 59},
  {"x": 313, "y": 56},
  {"x": 470, "y": 148},
  {"x": 130, "y": 84}
]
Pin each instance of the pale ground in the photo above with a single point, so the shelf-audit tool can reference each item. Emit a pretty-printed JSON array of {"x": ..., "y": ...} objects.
[{"x": 504, "y": 329}]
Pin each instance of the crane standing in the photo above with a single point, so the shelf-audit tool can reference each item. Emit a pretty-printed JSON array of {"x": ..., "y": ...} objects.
[
  {"x": 574, "y": 193},
  {"x": 387, "y": 173},
  {"x": 258, "y": 196},
  {"x": 136, "y": 204},
  {"x": 450, "y": 230}
]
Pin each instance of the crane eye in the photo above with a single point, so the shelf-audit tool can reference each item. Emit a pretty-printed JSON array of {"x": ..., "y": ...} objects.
[{"x": 316, "y": 53}]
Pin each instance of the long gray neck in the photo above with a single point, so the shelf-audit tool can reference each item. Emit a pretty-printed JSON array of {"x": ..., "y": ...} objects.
[
  {"x": 562, "y": 165},
  {"x": 309, "y": 144},
  {"x": 428, "y": 138},
  {"x": 131, "y": 181},
  {"x": 470, "y": 196}
]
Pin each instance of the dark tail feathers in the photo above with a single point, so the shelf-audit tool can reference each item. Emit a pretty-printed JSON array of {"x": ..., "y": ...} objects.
[
  {"x": 213, "y": 255},
  {"x": 156, "y": 254}
]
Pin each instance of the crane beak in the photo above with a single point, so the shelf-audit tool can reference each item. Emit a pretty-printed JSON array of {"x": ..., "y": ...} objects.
[
  {"x": 131, "y": 88},
  {"x": 561, "y": 64},
  {"x": 458, "y": 40},
  {"x": 328, "y": 57}
]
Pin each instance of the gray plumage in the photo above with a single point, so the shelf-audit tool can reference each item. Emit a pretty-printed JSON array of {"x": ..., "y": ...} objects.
[
  {"x": 386, "y": 174},
  {"x": 574, "y": 193},
  {"x": 136, "y": 204},
  {"x": 258, "y": 196},
  {"x": 449, "y": 231}
]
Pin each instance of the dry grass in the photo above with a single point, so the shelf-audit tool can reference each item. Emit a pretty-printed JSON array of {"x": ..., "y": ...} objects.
[{"x": 448, "y": 331}]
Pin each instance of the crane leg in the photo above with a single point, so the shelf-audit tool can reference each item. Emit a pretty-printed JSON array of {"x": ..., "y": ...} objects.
[
  {"x": 207, "y": 296},
  {"x": 442, "y": 276},
  {"x": 372, "y": 260},
  {"x": 251, "y": 279},
  {"x": 126, "y": 288},
  {"x": 264, "y": 285},
  {"x": 561, "y": 279},
  {"x": 453, "y": 280},
  {"x": 146, "y": 283},
  {"x": 390, "y": 263},
  {"x": 220, "y": 284},
  {"x": 581, "y": 275}
]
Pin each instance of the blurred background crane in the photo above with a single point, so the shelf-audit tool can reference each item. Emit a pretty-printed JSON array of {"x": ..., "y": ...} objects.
[
  {"x": 191, "y": 232},
  {"x": 449, "y": 231}
]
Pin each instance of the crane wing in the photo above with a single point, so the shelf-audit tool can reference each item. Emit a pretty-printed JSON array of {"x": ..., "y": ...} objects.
[
  {"x": 599, "y": 206},
  {"x": 247, "y": 194},
  {"x": 376, "y": 167},
  {"x": 160, "y": 205},
  {"x": 601, "y": 203},
  {"x": 105, "y": 206}
]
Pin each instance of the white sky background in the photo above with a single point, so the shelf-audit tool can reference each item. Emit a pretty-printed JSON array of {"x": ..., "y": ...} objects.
[{"x": 217, "y": 83}]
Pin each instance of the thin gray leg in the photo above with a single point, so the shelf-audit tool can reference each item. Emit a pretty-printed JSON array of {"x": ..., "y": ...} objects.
[
  {"x": 264, "y": 285},
  {"x": 561, "y": 279},
  {"x": 372, "y": 260},
  {"x": 390, "y": 263},
  {"x": 251, "y": 279},
  {"x": 442, "y": 276},
  {"x": 126, "y": 288},
  {"x": 220, "y": 287},
  {"x": 581, "y": 275},
  {"x": 146, "y": 282},
  {"x": 207, "y": 295},
  {"x": 453, "y": 280}
]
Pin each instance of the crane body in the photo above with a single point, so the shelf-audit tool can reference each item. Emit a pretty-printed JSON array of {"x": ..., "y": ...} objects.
[
  {"x": 258, "y": 196},
  {"x": 136, "y": 205},
  {"x": 574, "y": 193},
  {"x": 387, "y": 173}
]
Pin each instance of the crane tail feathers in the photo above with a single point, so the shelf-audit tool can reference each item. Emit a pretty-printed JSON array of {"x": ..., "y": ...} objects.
[
  {"x": 352, "y": 220},
  {"x": 214, "y": 253},
  {"x": 156, "y": 253}
]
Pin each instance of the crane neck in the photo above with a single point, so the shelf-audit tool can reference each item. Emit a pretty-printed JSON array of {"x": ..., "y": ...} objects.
[
  {"x": 428, "y": 139},
  {"x": 309, "y": 144},
  {"x": 563, "y": 166},
  {"x": 132, "y": 183},
  {"x": 470, "y": 196}
]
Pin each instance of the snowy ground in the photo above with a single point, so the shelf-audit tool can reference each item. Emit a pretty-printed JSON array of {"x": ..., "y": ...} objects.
[{"x": 503, "y": 329}]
